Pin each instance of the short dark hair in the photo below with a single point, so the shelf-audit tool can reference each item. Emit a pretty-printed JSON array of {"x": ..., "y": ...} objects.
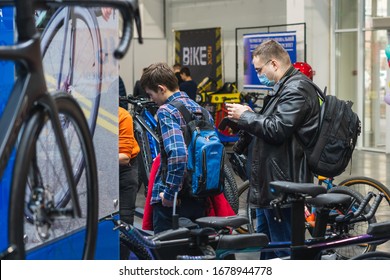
[
  {"x": 185, "y": 70},
  {"x": 159, "y": 74},
  {"x": 271, "y": 49}
]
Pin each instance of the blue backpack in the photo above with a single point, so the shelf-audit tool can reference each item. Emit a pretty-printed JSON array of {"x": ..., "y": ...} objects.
[{"x": 206, "y": 154}]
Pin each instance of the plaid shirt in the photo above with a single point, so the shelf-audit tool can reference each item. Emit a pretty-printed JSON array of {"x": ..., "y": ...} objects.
[{"x": 171, "y": 121}]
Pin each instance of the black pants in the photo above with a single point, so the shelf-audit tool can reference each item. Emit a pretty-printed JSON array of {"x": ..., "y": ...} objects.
[
  {"x": 189, "y": 208},
  {"x": 128, "y": 188}
]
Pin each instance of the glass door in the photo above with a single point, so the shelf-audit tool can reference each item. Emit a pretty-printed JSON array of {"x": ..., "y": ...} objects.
[{"x": 375, "y": 85}]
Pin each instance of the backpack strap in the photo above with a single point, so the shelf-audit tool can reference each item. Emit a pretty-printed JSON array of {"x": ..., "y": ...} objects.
[
  {"x": 321, "y": 94},
  {"x": 187, "y": 116},
  {"x": 163, "y": 155}
]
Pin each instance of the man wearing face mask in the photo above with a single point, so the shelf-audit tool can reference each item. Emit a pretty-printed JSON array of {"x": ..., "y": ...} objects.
[{"x": 287, "y": 122}]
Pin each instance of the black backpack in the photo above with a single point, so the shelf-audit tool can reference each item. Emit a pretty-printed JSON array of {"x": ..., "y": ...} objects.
[{"x": 331, "y": 150}]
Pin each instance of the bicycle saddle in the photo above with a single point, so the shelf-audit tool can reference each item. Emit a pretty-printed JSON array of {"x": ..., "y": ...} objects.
[
  {"x": 379, "y": 228},
  {"x": 171, "y": 234},
  {"x": 306, "y": 189},
  {"x": 242, "y": 241},
  {"x": 329, "y": 200},
  {"x": 222, "y": 222}
]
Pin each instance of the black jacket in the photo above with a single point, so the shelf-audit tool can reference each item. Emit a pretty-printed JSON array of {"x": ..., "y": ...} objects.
[{"x": 289, "y": 120}]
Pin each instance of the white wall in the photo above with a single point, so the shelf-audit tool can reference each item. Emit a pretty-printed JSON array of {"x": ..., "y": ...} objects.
[
  {"x": 154, "y": 48},
  {"x": 162, "y": 17},
  {"x": 318, "y": 34},
  {"x": 139, "y": 57},
  {"x": 227, "y": 14}
]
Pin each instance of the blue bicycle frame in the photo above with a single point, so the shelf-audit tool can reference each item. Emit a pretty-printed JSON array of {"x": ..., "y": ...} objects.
[
  {"x": 151, "y": 123},
  {"x": 6, "y": 84}
]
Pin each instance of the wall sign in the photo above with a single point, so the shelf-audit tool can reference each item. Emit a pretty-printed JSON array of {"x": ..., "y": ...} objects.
[
  {"x": 200, "y": 51},
  {"x": 251, "y": 41}
]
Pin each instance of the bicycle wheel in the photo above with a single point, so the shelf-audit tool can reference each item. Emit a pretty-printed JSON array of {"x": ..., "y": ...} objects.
[
  {"x": 363, "y": 185},
  {"x": 139, "y": 250},
  {"x": 245, "y": 209},
  {"x": 72, "y": 57},
  {"x": 378, "y": 255},
  {"x": 230, "y": 189},
  {"x": 353, "y": 229},
  {"x": 39, "y": 180},
  {"x": 144, "y": 158}
]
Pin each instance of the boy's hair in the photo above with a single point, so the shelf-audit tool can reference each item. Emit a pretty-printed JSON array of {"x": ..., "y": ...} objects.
[
  {"x": 159, "y": 74},
  {"x": 271, "y": 49},
  {"x": 186, "y": 71}
]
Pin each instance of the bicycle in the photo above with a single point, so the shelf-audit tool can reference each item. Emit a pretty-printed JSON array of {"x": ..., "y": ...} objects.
[
  {"x": 211, "y": 241},
  {"x": 146, "y": 134},
  {"x": 72, "y": 56},
  {"x": 238, "y": 162},
  {"x": 44, "y": 128},
  {"x": 145, "y": 126},
  {"x": 342, "y": 188},
  {"x": 363, "y": 185}
]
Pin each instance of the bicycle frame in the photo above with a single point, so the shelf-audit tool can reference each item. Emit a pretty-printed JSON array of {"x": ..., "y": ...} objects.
[
  {"x": 30, "y": 87},
  {"x": 170, "y": 242},
  {"x": 29, "y": 94},
  {"x": 311, "y": 249},
  {"x": 149, "y": 123},
  {"x": 67, "y": 65},
  {"x": 145, "y": 121}
]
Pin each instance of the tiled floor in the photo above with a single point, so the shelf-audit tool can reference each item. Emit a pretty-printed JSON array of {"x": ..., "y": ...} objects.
[{"x": 364, "y": 163}]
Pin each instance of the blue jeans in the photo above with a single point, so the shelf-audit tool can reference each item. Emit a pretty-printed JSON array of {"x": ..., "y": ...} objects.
[
  {"x": 276, "y": 231},
  {"x": 261, "y": 222}
]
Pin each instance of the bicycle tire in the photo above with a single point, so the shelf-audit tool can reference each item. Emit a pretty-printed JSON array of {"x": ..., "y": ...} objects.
[
  {"x": 32, "y": 154},
  {"x": 349, "y": 252},
  {"x": 377, "y": 255},
  {"x": 139, "y": 250},
  {"x": 230, "y": 188},
  {"x": 247, "y": 210},
  {"x": 145, "y": 158},
  {"x": 365, "y": 184},
  {"x": 82, "y": 76}
]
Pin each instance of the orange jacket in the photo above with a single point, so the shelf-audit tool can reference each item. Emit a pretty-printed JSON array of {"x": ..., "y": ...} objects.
[{"x": 127, "y": 143}]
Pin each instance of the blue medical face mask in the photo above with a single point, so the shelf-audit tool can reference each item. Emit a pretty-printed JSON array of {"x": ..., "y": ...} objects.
[{"x": 265, "y": 81}]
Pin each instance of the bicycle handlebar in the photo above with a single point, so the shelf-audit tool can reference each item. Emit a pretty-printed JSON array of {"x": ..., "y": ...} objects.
[
  {"x": 371, "y": 212},
  {"x": 358, "y": 212},
  {"x": 363, "y": 204},
  {"x": 138, "y": 101},
  {"x": 354, "y": 217},
  {"x": 129, "y": 10}
]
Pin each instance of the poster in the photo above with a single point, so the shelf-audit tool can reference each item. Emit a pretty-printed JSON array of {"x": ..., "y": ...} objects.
[
  {"x": 251, "y": 41},
  {"x": 200, "y": 51}
]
